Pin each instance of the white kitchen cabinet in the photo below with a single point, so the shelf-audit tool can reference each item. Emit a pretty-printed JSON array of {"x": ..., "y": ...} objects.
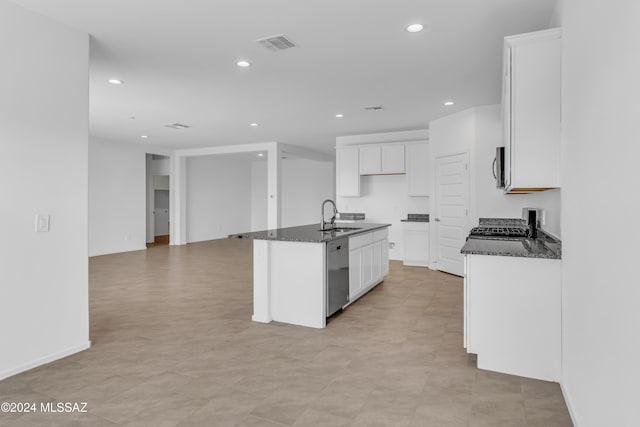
[
  {"x": 368, "y": 262},
  {"x": 418, "y": 172},
  {"x": 377, "y": 258},
  {"x": 367, "y": 265},
  {"x": 416, "y": 244},
  {"x": 531, "y": 111},
  {"x": 347, "y": 172},
  {"x": 382, "y": 159},
  {"x": 392, "y": 158},
  {"x": 384, "y": 244},
  {"x": 355, "y": 272},
  {"x": 512, "y": 314},
  {"x": 370, "y": 160}
]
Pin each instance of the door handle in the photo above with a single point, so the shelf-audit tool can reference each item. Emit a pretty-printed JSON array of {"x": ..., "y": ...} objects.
[{"x": 437, "y": 219}]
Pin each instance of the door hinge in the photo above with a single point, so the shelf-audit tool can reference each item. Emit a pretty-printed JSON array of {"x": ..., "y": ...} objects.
[
  {"x": 466, "y": 166},
  {"x": 466, "y": 212}
]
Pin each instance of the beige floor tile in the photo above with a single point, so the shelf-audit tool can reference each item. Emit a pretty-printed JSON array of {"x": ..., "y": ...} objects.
[{"x": 173, "y": 344}]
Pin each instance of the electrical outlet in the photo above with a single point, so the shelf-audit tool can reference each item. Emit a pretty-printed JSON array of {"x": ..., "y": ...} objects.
[
  {"x": 392, "y": 245},
  {"x": 42, "y": 223}
]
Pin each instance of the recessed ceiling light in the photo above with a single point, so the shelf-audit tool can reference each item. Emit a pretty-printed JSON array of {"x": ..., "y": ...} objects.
[
  {"x": 254, "y": 125},
  {"x": 339, "y": 116},
  {"x": 449, "y": 103},
  {"x": 415, "y": 28},
  {"x": 243, "y": 64},
  {"x": 144, "y": 136},
  {"x": 260, "y": 154},
  {"x": 115, "y": 81}
]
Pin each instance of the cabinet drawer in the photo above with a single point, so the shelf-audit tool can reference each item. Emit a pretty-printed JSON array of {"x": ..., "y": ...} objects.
[
  {"x": 380, "y": 234},
  {"x": 360, "y": 240}
]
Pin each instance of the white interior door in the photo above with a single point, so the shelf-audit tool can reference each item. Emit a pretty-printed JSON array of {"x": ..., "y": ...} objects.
[{"x": 451, "y": 211}]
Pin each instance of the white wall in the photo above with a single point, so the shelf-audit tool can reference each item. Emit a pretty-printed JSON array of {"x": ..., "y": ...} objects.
[
  {"x": 600, "y": 205},
  {"x": 259, "y": 196},
  {"x": 384, "y": 199},
  {"x": 117, "y": 193},
  {"x": 305, "y": 185},
  {"x": 43, "y": 166},
  {"x": 218, "y": 197}
]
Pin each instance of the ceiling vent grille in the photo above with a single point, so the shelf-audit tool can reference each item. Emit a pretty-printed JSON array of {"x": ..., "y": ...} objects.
[
  {"x": 373, "y": 108},
  {"x": 276, "y": 43},
  {"x": 177, "y": 126}
]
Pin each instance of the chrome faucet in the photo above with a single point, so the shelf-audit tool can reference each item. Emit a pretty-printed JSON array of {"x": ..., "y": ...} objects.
[{"x": 333, "y": 218}]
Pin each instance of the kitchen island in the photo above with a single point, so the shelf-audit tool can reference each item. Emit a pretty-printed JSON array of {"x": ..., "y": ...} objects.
[{"x": 290, "y": 269}]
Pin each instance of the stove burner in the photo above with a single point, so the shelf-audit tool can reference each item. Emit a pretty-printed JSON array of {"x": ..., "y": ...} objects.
[{"x": 499, "y": 231}]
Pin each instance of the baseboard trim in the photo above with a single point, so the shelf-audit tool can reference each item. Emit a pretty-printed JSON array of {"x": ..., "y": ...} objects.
[
  {"x": 118, "y": 251},
  {"x": 43, "y": 360},
  {"x": 260, "y": 319},
  {"x": 567, "y": 400}
]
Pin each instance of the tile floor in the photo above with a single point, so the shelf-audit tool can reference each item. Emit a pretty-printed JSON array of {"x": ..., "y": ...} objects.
[{"x": 173, "y": 345}]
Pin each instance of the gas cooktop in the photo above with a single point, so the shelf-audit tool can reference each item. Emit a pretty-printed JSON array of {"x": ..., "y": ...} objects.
[{"x": 495, "y": 232}]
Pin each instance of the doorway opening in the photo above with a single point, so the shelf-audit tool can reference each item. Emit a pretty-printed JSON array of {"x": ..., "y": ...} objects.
[{"x": 158, "y": 196}]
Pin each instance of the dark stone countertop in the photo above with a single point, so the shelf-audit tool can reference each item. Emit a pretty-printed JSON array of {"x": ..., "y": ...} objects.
[
  {"x": 310, "y": 233},
  {"x": 544, "y": 246},
  {"x": 416, "y": 218}
]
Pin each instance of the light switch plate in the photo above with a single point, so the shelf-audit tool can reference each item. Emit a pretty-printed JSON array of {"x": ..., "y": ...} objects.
[{"x": 42, "y": 223}]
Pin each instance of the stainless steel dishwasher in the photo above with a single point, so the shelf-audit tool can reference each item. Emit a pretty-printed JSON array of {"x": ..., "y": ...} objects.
[{"x": 337, "y": 274}]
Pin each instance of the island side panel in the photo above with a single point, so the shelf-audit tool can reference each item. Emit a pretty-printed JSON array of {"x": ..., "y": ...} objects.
[
  {"x": 261, "y": 282},
  {"x": 297, "y": 281}
]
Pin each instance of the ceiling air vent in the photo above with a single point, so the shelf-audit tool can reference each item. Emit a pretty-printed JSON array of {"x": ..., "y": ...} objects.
[
  {"x": 177, "y": 126},
  {"x": 276, "y": 43},
  {"x": 373, "y": 108}
]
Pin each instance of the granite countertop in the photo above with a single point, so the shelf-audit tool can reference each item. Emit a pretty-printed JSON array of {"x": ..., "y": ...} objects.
[
  {"x": 416, "y": 218},
  {"x": 311, "y": 233},
  {"x": 544, "y": 246}
]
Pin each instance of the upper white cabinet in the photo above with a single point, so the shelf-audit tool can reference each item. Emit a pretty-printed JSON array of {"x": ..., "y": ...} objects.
[
  {"x": 370, "y": 160},
  {"x": 382, "y": 159},
  {"x": 418, "y": 176},
  {"x": 347, "y": 172},
  {"x": 531, "y": 111},
  {"x": 392, "y": 158}
]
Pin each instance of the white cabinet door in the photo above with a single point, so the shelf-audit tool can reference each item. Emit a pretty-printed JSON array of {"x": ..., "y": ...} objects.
[
  {"x": 418, "y": 173},
  {"x": 377, "y": 260},
  {"x": 367, "y": 265},
  {"x": 531, "y": 101},
  {"x": 355, "y": 273},
  {"x": 382, "y": 159},
  {"x": 347, "y": 172},
  {"x": 385, "y": 257},
  {"x": 392, "y": 159},
  {"x": 416, "y": 245},
  {"x": 370, "y": 160}
]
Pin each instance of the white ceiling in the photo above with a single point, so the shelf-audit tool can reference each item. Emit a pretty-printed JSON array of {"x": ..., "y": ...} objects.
[{"x": 177, "y": 58}]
